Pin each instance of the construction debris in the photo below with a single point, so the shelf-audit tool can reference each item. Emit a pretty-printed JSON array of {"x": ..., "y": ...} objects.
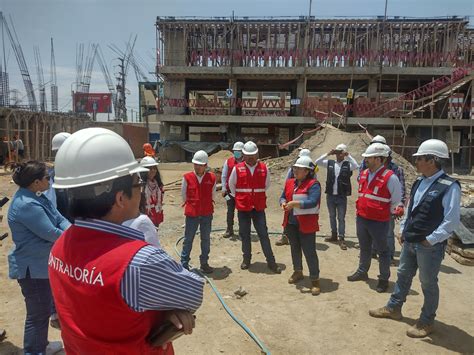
[{"x": 240, "y": 292}]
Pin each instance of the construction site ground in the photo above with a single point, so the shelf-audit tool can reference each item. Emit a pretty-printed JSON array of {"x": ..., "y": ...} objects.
[{"x": 287, "y": 318}]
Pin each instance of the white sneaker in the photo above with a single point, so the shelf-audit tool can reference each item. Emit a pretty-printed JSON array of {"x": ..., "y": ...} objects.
[{"x": 54, "y": 347}]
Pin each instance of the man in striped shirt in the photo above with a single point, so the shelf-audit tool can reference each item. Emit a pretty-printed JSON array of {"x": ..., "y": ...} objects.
[{"x": 111, "y": 288}]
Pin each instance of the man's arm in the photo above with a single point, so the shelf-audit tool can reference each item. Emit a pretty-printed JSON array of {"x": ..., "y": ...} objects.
[
  {"x": 267, "y": 181},
  {"x": 154, "y": 281},
  {"x": 224, "y": 176},
  {"x": 452, "y": 215},
  {"x": 232, "y": 181},
  {"x": 322, "y": 161},
  {"x": 395, "y": 189},
  {"x": 352, "y": 162},
  {"x": 184, "y": 187}
]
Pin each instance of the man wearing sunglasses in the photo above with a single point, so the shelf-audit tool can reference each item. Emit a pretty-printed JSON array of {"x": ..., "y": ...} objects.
[
  {"x": 433, "y": 214},
  {"x": 111, "y": 288}
]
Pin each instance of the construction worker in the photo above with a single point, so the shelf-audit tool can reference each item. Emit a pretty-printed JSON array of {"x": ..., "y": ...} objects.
[
  {"x": 379, "y": 195},
  {"x": 111, "y": 288},
  {"x": 148, "y": 150},
  {"x": 433, "y": 214},
  {"x": 198, "y": 189},
  {"x": 248, "y": 182},
  {"x": 230, "y": 199},
  {"x": 58, "y": 198},
  {"x": 154, "y": 192},
  {"x": 338, "y": 187},
  {"x": 300, "y": 200},
  {"x": 290, "y": 175}
]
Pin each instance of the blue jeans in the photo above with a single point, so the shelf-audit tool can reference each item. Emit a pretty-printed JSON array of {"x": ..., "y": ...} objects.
[
  {"x": 303, "y": 243},
  {"x": 391, "y": 237},
  {"x": 191, "y": 225},
  {"x": 260, "y": 224},
  {"x": 38, "y": 300},
  {"x": 337, "y": 205},
  {"x": 373, "y": 232},
  {"x": 428, "y": 260}
]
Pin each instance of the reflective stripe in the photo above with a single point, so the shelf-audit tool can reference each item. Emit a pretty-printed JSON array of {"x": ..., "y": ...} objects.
[
  {"x": 249, "y": 190},
  {"x": 385, "y": 172},
  {"x": 304, "y": 211},
  {"x": 445, "y": 182},
  {"x": 376, "y": 190},
  {"x": 376, "y": 198}
]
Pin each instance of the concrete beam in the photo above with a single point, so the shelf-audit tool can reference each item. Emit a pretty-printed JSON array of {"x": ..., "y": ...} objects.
[
  {"x": 219, "y": 119},
  {"x": 414, "y": 122}
]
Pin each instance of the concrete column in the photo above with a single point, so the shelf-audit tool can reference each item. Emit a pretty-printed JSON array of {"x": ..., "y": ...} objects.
[
  {"x": 233, "y": 85},
  {"x": 175, "y": 49},
  {"x": 174, "y": 89},
  {"x": 300, "y": 94},
  {"x": 372, "y": 91}
]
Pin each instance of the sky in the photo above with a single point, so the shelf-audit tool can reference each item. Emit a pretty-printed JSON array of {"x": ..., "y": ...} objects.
[{"x": 113, "y": 22}]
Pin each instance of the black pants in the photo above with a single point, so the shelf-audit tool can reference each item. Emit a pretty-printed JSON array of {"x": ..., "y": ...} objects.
[
  {"x": 303, "y": 243},
  {"x": 230, "y": 212},
  {"x": 260, "y": 224}
]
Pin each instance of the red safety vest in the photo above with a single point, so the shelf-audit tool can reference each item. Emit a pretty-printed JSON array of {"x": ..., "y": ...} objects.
[
  {"x": 374, "y": 198},
  {"x": 250, "y": 189},
  {"x": 231, "y": 162},
  {"x": 199, "y": 195},
  {"x": 86, "y": 267},
  {"x": 307, "y": 218}
]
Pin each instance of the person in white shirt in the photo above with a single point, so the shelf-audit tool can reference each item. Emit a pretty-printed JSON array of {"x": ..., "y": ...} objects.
[{"x": 338, "y": 187}]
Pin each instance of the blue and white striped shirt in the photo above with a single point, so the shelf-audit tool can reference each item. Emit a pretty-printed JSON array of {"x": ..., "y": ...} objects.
[{"x": 152, "y": 280}]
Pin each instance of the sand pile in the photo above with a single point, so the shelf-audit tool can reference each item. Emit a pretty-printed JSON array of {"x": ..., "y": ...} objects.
[{"x": 216, "y": 160}]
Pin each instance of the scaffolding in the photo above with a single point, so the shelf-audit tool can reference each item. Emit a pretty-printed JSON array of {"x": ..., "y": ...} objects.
[{"x": 287, "y": 42}]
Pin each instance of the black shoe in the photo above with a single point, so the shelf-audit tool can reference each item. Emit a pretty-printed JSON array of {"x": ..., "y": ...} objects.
[
  {"x": 358, "y": 276},
  {"x": 274, "y": 267},
  {"x": 382, "y": 286},
  {"x": 205, "y": 268},
  {"x": 228, "y": 233},
  {"x": 245, "y": 264}
]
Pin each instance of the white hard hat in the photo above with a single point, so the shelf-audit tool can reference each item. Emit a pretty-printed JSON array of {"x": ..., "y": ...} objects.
[
  {"x": 379, "y": 139},
  {"x": 148, "y": 161},
  {"x": 250, "y": 148},
  {"x": 433, "y": 147},
  {"x": 200, "y": 158},
  {"x": 304, "y": 153},
  {"x": 376, "y": 150},
  {"x": 304, "y": 162},
  {"x": 59, "y": 139},
  {"x": 238, "y": 146},
  {"x": 91, "y": 156},
  {"x": 341, "y": 147}
]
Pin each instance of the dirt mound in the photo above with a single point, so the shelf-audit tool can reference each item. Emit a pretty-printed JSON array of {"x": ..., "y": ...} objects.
[{"x": 217, "y": 160}]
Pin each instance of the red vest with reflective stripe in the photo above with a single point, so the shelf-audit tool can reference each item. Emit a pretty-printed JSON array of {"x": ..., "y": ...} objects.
[
  {"x": 231, "y": 162},
  {"x": 199, "y": 195},
  {"x": 307, "y": 218},
  {"x": 250, "y": 189},
  {"x": 85, "y": 270},
  {"x": 374, "y": 198}
]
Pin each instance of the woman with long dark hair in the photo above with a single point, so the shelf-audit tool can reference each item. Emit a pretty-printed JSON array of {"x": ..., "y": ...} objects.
[
  {"x": 35, "y": 225},
  {"x": 153, "y": 191}
]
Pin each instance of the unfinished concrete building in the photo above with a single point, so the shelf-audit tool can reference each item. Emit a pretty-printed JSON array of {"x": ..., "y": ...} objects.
[{"x": 271, "y": 79}]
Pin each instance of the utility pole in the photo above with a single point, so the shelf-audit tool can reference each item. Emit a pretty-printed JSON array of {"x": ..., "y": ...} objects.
[{"x": 121, "y": 113}]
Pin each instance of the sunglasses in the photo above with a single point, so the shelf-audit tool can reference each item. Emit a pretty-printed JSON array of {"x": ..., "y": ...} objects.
[{"x": 140, "y": 183}]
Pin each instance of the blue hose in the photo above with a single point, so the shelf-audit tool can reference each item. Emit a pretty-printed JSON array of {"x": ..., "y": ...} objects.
[{"x": 260, "y": 344}]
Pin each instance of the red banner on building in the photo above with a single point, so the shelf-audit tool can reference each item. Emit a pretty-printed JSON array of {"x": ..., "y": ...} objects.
[{"x": 92, "y": 103}]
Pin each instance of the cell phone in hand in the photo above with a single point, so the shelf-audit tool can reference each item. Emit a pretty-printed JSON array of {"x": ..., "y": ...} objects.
[
  {"x": 164, "y": 334},
  {"x": 3, "y": 201}
]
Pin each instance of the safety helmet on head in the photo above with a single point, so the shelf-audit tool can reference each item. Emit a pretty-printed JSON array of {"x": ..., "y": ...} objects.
[
  {"x": 200, "y": 157},
  {"x": 304, "y": 162},
  {"x": 433, "y": 147},
  {"x": 378, "y": 139},
  {"x": 304, "y": 153},
  {"x": 376, "y": 150},
  {"x": 250, "y": 148},
  {"x": 238, "y": 146},
  {"x": 148, "y": 161},
  {"x": 341, "y": 148},
  {"x": 59, "y": 139},
  {"x": 91, "y": 156}
]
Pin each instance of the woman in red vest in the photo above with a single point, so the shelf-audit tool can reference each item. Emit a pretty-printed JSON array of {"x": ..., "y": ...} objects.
[
  {"x": 300, "y": 201},
  {"x": 154, "y": 192},
  {"x": 197, "y": 190}
]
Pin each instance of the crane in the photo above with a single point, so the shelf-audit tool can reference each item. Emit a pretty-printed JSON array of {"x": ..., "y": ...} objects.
[
  {"x": 41, "y": 85},
  {"x": 20, "y": 58},
  {"x": 54, "y": 84}
]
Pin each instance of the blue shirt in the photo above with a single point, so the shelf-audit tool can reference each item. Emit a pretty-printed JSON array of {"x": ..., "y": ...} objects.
[
  {"x": 35, "y": 225},
  {"x": 314, "y": 196},
  {"x": 152, "y": 280},
  {"x": 451, "y": 204}
]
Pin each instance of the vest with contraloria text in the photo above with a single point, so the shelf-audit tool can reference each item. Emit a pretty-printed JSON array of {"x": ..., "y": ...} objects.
[
  {"x": 199, "y": 195},
  {"x": 231, "y": 162},
  {"x": 308, "y": 218},
  {"x": 250, "y": 189},
  {"x": 86, "y": 267},
  {"x": 374, "y": 197}
]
